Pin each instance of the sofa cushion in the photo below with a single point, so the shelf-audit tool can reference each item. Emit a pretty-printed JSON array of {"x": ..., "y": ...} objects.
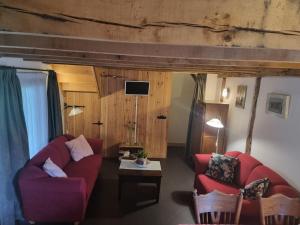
[
  {"x": 222, "y": 168},
  {"x": 52, "y": 169},
  {"x": 234, "y": 154},
  {"x": 56, "y": 150},
  {"x": 246, "y": 165},
  {"x": 88, "y": 168},
  {"x": 209, "y": 184},
  {"x": 256, "y": 188},
  {"x": 62, "y": 152},
  {"x": 283, "y": 189},
  {"x": 262, "y": 172},
  {"x": 79, "y": 148}
]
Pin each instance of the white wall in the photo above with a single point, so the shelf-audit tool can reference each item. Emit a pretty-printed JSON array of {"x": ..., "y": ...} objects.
[
  {"x": 181, "y": 100},
  {"x": 238, "y": 119},
  {"x": 276, "y": 141},
  {"x": 212, "y": 84}
]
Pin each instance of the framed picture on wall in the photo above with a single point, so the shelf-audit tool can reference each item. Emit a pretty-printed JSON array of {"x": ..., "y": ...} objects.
[
  {"x": 278, "y": 104},
  {"x": 241, "y": 96}
]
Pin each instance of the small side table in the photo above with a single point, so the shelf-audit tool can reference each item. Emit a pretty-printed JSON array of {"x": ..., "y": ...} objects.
[{"x": 129, "y": 172}]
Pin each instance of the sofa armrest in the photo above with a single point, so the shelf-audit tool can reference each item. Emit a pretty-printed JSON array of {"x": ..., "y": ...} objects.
[
  {"x": 96, "y": 145},
  {"x": 201, "y": 163},
  {"x": 53, "y": 199}
]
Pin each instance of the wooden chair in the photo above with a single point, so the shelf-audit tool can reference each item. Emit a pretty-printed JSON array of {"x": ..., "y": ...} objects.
[
  {"x": 280, "y": 210},
  {"x": 217, "y": 208}
]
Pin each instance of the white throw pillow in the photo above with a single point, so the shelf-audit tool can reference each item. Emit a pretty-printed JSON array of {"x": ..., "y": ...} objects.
[
  {"x": 79, "y": 148},
  {"x": 52, "y": 169}
]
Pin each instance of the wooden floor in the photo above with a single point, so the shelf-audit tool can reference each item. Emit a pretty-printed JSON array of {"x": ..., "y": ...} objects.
[{"x": 136, "y": 207}]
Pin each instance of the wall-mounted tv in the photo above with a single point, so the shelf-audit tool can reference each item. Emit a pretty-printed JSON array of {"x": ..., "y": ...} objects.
[{"x": 136, "y": 87}]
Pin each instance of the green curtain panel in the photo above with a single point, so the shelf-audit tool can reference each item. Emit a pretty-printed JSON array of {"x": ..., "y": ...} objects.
[
  {"x": 54, "y": 109},
  {"x": 198, "y": 98},
  {"x": 13, "y": 145}
]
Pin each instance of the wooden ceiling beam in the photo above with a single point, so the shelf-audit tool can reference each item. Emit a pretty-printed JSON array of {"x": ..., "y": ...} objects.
[
  {"x": 54, "y": 42},
  {"x": 20, "y": 52}
]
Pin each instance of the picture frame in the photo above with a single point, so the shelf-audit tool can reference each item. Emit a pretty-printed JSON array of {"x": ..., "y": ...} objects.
[
  {"x": 278, "y": 104},
  {"x": 241, "y": 95}
]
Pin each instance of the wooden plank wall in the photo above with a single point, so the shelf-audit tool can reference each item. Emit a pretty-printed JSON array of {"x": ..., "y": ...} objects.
[
  {"x": 118, "y": 110},
  {"x": 82, "y": 123}
]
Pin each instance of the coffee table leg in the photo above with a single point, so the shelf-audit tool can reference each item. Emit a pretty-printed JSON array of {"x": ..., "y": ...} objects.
[
  {"x": 158, "y": 189},
  {"x": 120, "y": 188}
]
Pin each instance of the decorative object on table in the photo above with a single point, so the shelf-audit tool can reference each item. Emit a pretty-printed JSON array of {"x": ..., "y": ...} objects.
[
  {"x": 129, "y": 150},
  {"x": 222, "y": 168},
  {"x": 278, "y": 104},
  {"x": 255, "y": 189},
  {"x": 241, "y": 96},
  {"x": 141, "y": 158},
  {"x": 216, "y": 123}
]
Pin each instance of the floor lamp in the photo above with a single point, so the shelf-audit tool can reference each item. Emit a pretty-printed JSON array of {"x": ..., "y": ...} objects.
[{"x": 216, "y": 123}]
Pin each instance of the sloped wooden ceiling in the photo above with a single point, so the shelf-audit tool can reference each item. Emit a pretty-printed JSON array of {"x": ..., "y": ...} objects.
[{"x": 232, "y": 36}]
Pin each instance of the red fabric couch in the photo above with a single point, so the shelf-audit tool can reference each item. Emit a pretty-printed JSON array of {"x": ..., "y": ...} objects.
[
  {"x": 249, "y": 170},
  {"x": 48, "y": 199}
]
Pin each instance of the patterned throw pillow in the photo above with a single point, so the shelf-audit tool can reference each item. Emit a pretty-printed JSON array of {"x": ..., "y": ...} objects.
[
  {"x": 222, "y": 168},
  {"x": 256, "y": 188}
]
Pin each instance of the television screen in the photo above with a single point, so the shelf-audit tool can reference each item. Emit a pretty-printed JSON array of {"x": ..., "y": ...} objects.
[{"x": 136, "y": 87}]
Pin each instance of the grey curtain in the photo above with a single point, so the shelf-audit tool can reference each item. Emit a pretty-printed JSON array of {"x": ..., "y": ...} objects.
[
  {"x": 54, "y": 110},
  {"x": 198, "y": 98},
  {"x": 13, "y": 145}
]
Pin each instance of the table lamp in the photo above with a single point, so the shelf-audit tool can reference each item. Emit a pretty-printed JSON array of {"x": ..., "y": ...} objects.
[{"x": 216, "y": 123}]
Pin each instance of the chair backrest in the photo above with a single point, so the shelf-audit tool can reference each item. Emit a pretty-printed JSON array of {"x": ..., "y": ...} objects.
[
  {"x": 280, "y": 210},
  {"x": 217, "y": 208}
]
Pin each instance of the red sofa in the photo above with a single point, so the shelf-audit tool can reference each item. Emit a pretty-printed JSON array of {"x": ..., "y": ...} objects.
[
  {"x": 249, "y": 170},
  {"x": 49, "y": 199}
]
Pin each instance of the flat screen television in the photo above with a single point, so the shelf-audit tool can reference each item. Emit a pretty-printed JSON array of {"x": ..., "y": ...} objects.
[{"x": 137, "y": 87}]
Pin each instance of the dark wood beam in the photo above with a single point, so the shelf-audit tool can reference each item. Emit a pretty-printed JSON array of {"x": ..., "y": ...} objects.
[
  {"x": 59, "y": 43},
  {"x": 20, "y": 52},
  {"x": 253, "y": 115}
]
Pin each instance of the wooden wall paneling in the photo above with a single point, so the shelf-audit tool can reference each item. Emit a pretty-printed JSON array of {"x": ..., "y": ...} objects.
[
  {"x": 117, "y": 110},
  {"x": 83, "y": 123},
  {"x": 156, "y": 138}
]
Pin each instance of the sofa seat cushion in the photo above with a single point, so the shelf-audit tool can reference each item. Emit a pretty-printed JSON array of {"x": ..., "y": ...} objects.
[
  {"x": 88, "y": 168},
  {"x": 262, "y": 172},
  {"x": 209, "y": 185}
]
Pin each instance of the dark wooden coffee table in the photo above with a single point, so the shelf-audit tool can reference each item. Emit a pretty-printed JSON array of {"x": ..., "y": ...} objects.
[{"x": 128, "y": 172}]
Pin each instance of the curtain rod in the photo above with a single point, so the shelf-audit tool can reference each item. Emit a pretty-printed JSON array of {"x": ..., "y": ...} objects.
[{"x": 23, "y": 68}]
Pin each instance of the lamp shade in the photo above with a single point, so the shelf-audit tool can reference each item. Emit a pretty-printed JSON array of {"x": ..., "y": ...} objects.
[
  {"x": 215, "y": 123},
  {"x": 75, "y": 111}
]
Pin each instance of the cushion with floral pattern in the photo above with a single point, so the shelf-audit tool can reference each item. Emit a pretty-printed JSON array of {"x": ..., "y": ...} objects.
[
  {"x": 256, "y": 188},
  {"x": 222, "y": 168}
]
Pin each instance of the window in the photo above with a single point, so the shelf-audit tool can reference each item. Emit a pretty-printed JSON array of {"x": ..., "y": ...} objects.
[{"x": 34, "y": 95}]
